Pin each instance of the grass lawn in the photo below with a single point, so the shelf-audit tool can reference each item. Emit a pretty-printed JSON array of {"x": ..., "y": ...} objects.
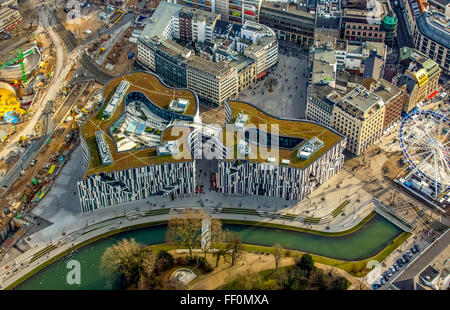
[
  {"x": 159, "y": 94},
  {"x": 300, "y": 129}
]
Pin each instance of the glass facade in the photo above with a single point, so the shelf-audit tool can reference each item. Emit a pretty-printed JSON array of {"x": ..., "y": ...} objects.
[
  {"x": 258, "y": 137},
  {"x": 170, "y": 70},
  {"x": 165, "y": 114}
]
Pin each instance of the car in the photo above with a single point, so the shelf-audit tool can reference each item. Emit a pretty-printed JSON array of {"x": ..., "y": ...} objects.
[
  {"x": 382, "y": 280},
  {"x": 413, "y": 250},
  {"x": 399, "y": 263},
  {"x": 396, "y": 267},
  {"x": 385, "y": 277},
  {"x": 389, "y": 273},
  {"x": 410, "y": 255},
  {"x": 375, "y": 286},
  {"x": 393, "y": 270},
  {"x": 406, "y": 258},
  {"x": 417, "y": 248}
]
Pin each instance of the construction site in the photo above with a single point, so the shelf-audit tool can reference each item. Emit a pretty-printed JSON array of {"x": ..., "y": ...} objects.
[{"x": 46, "y": 94}]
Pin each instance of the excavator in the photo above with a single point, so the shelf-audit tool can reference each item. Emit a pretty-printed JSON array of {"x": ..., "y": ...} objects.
[{"x": 23, "y": 141}]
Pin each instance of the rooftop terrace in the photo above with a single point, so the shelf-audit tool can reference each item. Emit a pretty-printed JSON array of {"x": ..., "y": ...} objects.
[
  {"x": 160, "y": 95},
  {"x": 360, "y": 101},
  {"x": 302, "y": 129}
]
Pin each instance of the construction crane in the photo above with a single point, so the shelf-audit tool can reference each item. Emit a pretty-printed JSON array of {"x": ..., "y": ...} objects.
[{"x": 20, "y": 57}]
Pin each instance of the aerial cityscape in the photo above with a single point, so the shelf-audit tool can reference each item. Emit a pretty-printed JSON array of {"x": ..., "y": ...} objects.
[{"x": 227, "y": 145}]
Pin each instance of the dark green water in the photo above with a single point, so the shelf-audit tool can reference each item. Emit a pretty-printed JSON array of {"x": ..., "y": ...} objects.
[{"x": 362, "y": 244}]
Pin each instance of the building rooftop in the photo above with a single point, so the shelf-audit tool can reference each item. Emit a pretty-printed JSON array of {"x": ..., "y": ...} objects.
[
  {"x": 160, "y": 18},
  {"x": 429, "y": 274},
  {"x": 378, "y": 47},
  {"x": 435, "y": 26},
  {"x": 359, "y": 15},
  {"x": 301, "y": 130},
  {"x": 418, "y": 66},
  {"x": 408, "y": 82},
  {"x": 199, "y": 15},
  {"x": 382, "y": 88},
  {"x": 373, "y": 67},
  {"x": 160, "y": 95},
  {"x": 157, "y": 35},
  {"x": 324, "y": 66},
  {"x": 293, "y": 12},
  {"x": 326, "y": 94},
  {"x": 360, "y": 102}
]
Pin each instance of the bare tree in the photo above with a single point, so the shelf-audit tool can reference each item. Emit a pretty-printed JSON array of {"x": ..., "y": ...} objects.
[
  {"x": 128, "y": 259},
  {"x": 221, "y": 252},
  {"x": 234, "y": 246},
  {"x": 277, "y": 251},
  {"x": 185, "y": 230}
]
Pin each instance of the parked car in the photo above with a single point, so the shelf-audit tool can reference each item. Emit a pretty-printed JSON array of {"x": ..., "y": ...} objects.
[
  {"x": 382, "y": 280},
  {"x": 417, "y": 248},
  {"x": 399, "y": 263},
  {"x": 393, "y": 270},
  {"x": 397, "y": 267},
  {"x": 376, "y": 286},
  {"x": 410, "y": 255},
  {"x": 385, "y": 277},
  {"x": 413, "y": 250},
  {"x": 406, "y": 258},
  {"x": 389, "y": 273}
]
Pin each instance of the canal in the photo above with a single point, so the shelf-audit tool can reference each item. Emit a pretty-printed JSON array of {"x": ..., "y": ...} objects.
[{"x": 366, "y": 242}]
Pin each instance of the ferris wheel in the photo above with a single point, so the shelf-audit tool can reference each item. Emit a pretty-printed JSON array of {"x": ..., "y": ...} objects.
[{"x": 424, "y": 140}]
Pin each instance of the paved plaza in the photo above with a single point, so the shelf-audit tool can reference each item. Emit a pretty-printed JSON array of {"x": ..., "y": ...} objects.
[{"x": 288, "y": 97}]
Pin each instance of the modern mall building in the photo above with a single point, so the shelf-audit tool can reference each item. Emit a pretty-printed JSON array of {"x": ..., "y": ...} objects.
[{"x": 153, "y": 143}]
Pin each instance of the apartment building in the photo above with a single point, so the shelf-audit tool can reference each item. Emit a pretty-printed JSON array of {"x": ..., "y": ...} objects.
[
  {"x": 9, "y": 14},
  {"x": 218, "y": 56},
  {"x": 392, "y": 96},
  {"x": 320, "y": 102},
  {"x": 290, "y": 22},
  {"x": 357, "y": 29},
  {"x": 419, "y": 77},
  {"x": 214, "y": 82},
  {"x": 194, "y": 25},
  {"x": 359, "y": 116},
  {"x": 432, "y": 37},
  {"x": 257, "y": 42}
]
